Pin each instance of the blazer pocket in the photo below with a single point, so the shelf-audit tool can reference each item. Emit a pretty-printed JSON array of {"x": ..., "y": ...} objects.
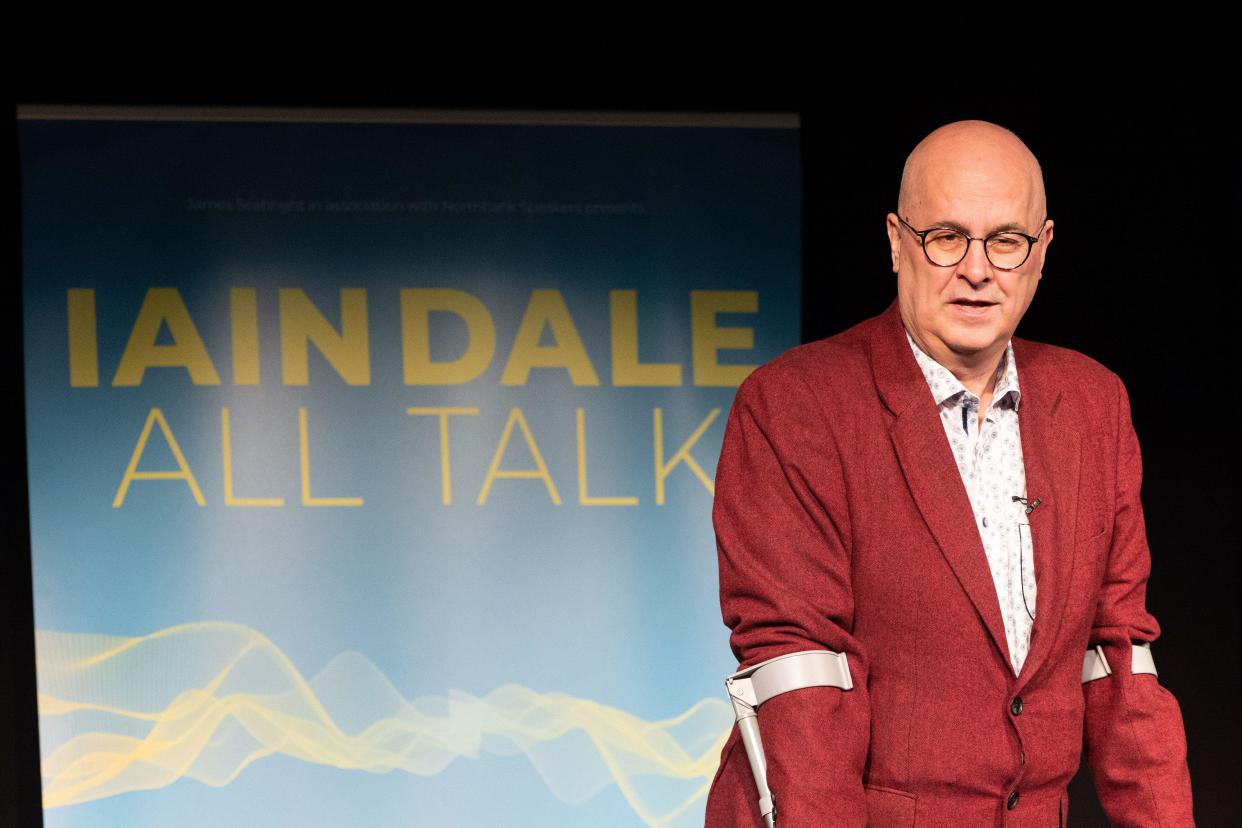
[
  {"x": 1090, "y": 555},
  {"x": 889, "y": 807},
  {"x": 1099, "y": 532}
]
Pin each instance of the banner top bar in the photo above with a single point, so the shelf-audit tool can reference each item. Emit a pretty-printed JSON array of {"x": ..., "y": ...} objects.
[{"x": 76, "y": 112}]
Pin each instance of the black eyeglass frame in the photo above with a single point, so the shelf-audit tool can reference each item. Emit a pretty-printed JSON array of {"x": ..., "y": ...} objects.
[{"x": 1031, "y": 241}]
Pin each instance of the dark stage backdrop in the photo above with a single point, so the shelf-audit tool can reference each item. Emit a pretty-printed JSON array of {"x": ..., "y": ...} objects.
[{"x": 1140, "y": 277}]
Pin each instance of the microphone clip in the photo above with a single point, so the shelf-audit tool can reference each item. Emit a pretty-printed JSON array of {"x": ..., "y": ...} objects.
[{"x": 1030, "y": 504}]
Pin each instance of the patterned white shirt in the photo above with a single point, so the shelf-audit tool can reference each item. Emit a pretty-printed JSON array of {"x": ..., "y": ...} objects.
[{"x": 990, "y": 462}]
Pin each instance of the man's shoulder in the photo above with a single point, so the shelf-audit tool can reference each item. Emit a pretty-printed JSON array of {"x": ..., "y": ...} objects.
[
  {"x": 835, "y": 361},
  {"x": 1056, "y": 366}
]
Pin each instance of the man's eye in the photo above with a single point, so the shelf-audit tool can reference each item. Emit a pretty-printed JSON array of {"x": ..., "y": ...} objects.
[
  {"x": 1005, "y": 244},
  {"x": 945, "y": 238}
]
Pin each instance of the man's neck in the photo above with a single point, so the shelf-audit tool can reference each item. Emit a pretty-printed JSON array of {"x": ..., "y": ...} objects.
[
  {"x": 979, "y": 380},
  {"x": 975, "y": 371}
]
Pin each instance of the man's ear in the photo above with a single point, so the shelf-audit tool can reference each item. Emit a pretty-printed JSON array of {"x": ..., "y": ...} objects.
[
  {"x": 894, "y": 239},
  {"x": 1043, "y": 253}
]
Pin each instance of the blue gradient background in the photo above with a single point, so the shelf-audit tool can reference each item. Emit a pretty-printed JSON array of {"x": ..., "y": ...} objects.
[{"x": 615, "y": 604}]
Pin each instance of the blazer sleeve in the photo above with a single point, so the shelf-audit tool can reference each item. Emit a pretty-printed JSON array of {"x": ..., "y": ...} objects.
[
  {"x": 782, "y": 538},
  {"x": 1133, "y": 736}
]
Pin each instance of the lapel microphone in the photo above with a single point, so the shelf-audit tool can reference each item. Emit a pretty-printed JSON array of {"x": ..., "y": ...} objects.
[{"x": 1030, "y": 504}]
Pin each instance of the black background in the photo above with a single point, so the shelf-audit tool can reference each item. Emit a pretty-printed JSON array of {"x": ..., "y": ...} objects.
[{"x": 1142, "y": 275}]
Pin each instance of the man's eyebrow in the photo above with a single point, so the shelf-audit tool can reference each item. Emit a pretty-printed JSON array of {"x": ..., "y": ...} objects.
[{"x": 1000, "y": 228}]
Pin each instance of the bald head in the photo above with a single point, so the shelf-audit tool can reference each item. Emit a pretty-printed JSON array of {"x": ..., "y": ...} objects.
[
  {"x": 980, "y": 180},
  {"x": 975, "y": 156}
]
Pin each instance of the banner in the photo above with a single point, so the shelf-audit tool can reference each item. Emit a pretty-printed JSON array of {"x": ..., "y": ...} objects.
[{"x": 371, "y": 462}]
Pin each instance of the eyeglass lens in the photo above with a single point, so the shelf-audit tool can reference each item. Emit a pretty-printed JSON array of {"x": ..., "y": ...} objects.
[{"x": 948, "y": 247}]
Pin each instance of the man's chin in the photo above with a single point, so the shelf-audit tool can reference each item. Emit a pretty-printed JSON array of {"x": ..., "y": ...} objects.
[{"x": 970, "y": 342}]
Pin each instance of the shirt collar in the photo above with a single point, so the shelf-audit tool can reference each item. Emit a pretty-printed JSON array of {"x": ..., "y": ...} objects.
[{"x": 944, "y": 386}]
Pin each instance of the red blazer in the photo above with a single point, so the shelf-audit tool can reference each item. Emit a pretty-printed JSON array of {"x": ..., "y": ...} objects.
[{"x": 842, "y": 523}]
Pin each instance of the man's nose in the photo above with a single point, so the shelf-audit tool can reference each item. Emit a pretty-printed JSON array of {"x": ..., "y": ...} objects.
[{"x": 975, "y": 265}]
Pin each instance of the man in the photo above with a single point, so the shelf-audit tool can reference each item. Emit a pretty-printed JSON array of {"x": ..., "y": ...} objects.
[{"x": 957, "y": 510}]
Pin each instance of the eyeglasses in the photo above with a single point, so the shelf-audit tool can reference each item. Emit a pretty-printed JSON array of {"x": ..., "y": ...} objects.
[{"x": 945, "y": 247}]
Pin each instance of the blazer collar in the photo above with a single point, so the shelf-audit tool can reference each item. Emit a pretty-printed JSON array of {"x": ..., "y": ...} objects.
[{"x": 1051, "y": 451}]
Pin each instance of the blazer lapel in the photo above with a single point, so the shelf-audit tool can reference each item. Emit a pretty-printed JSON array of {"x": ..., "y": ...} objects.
[
  {"x": 930, "y": 469},
  {"x": 1052, "y": 456}
]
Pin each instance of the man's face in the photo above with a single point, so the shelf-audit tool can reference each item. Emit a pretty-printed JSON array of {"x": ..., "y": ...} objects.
[{"x": 972, "y": 308}]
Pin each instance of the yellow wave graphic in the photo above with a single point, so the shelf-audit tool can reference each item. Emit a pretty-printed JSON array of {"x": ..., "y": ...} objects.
[{"x": 204, "y": 700}]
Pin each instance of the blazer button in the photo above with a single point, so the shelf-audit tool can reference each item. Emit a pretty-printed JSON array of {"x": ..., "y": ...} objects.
[
  {"x": 1015, "y": 706},
  {"x": 1013, "y": 801}
]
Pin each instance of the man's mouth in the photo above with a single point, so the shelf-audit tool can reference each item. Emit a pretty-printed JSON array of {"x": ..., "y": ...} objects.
[{"x": 971, "y": 303}]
